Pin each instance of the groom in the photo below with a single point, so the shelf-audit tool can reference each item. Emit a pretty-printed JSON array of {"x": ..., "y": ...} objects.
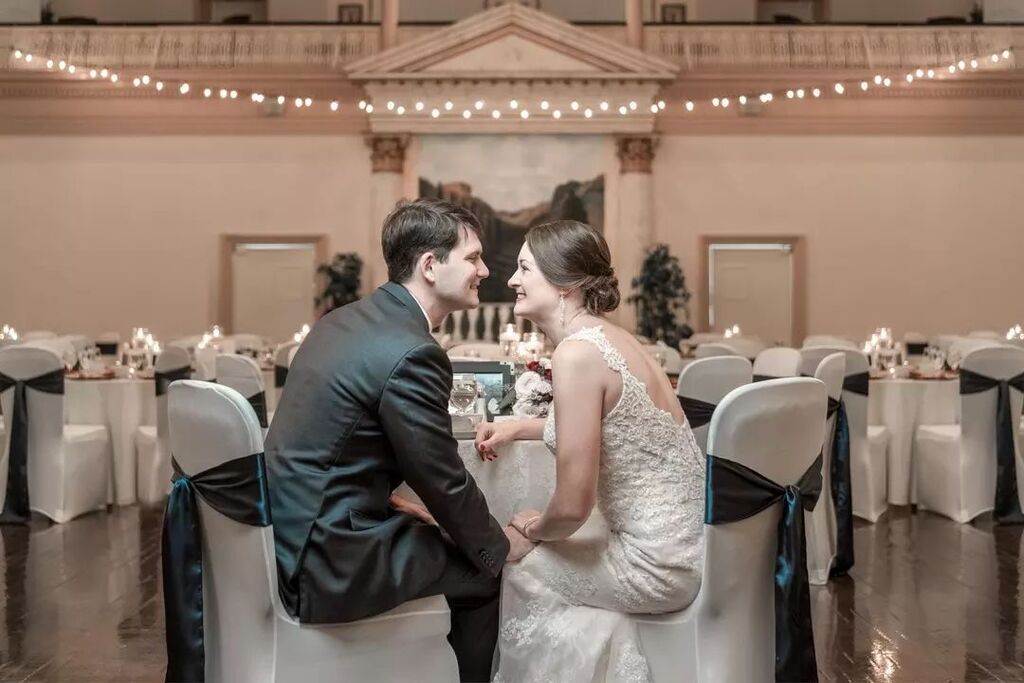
[{"x": 365, "y": 408}]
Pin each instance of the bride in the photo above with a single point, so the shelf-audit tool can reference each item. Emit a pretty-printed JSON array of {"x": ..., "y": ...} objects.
[{"x": 622, "y": 532}]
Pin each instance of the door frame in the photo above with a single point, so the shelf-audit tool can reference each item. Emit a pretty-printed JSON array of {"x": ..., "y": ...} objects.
[
  {"x": 797, "y": 244},
  {"x": 228, "y": 242}
]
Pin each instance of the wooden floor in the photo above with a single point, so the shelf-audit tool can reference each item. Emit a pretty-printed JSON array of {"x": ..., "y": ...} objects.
[{"x": 928, "y": 600}]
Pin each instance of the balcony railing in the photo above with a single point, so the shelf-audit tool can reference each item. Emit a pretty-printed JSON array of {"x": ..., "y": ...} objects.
[{"x": 331, "y": 47}]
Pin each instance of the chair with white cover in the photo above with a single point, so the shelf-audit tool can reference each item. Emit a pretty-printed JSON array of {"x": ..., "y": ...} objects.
[
  {"x": 956, "y": 465},
  {"x": 153, "y": 442},
  {"x": 246, "y": 634},
  {"x": 712, "y": 349},
  {"x": 868, "y": 443},
  {"x": 703, "y": 383},
  {"x": 821, "y": 522},
  {"x": 746, "y": 346},
  {"x": 36, "y": 335},
  {"x": 247, "y": 342},
  {"x": 243, "y": 374},
  {"x": 204, "y": 363},
  {"x": 829, "y": 340},
  {"x": 698, "y": 338},
  {"x": 776, "y": 362},
  {"x": 66, "y": 466},
  {"x": 774, "y": 428},
  {"x": 991, "y": 335},
  {"x": 482, "y": 350},
  {"x": 669, "y": 358},
  {"x": 282, "y": 361}
]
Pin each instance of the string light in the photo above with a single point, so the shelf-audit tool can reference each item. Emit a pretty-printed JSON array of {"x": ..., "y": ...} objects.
[
  {"x": 400, "y": 110},
  {"x": 448, "y": 105},
  {"x": 524, "y": 114},
  {"x": 183, "y": 88},
  {"x": 513, "y": 104},
  {"x": 556, "y": 114},
  {"x": 334, "y": 105},
  {"x": 362, "y": 104},
  {"x": 207, "y": 92},
  {"x": 466, "y": 114},
  {"x": 544, "y": 104},
  {"x": 623, "y": 110},
  {"x": 495, "y": 114},
  {"x": 574, "y": 105},
  {"x": 839, "y": 89},
  {"x": 435, "y": 112},
  {"x": 588, "y": 113},
  {"x": 604, "y": 106},
  {"x": 369, "y": 108},
  {"x": 632, "y": 105},
  {"x": 689, "y": 105},
  {"x": 113, "y": 78},
  {"x": 478, "y": 105},
  {"x": 418, "y": 106},
  {"x": 159, "y": 86}
]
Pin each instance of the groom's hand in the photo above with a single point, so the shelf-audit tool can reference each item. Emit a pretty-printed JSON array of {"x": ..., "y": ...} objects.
[
  {"x": 518, "y": 545},
  {"x": 412, "y": 509}
]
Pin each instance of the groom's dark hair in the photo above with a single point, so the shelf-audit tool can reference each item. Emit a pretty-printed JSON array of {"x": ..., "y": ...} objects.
[{"x": 414, "y": 228}]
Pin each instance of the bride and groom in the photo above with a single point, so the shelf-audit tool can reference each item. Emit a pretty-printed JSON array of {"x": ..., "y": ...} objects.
[{"x": 365, "y": 408}]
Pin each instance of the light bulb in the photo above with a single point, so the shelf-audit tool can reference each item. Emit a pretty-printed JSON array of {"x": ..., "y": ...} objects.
[
  {"x": 790, "y": 94},
  {"x": 28, "y": 57},
  {"x": 623, "y": 109},
  {"x": 18, "y": 54},
  {"x": 390, "y": 105},
  {"x": 864, "y": 85},
  {"x": 495, "y": 114},
  {"x": 369, "y": 108},
  {"x": 715, "y": 102},
  {"x": 435, "y": 112},
  {"x": 145, "y": 78},
  {"x": 524, "y": 114},
  {"x": 878, "y": 79},
  {"x": 62, "y": 65},
  {"x": 689, "y": 105},
  {"x": 113, "y": 78},
  {"x": 334, "y": 105},
  {"x": 400, "y": 110},
  {"x": 362, "y": 104},
  {"x": 654, "y": 109},
  {"x": 49, "y": 63},
  {"x": 661, "y": 104},
  {"x": 93, "y": 73},
  {"x": 419, "y": 106},
  {"x": 632, "y": 105},
  {"x": 587, "y": 112},
  {"x": 603, "y": 105},
  {"x": 513, "y": 104},
  {"x": 183, "y": 88},
  {"x": 544, "y": 105},
  {"x": 800, "y": 93},
  {"x": 931, "y": 73},
  {"x": 910, "y": 78},
  {"x": 104, "y": 73},
  {"x": 995, "y": 58},
  {"x": 207, "y": 92},
  {"x": 159, "y": 86},
  {"x": 223, "y": 93},
  {"x": 136, "y": 82},
  {"x": 466, "y": 114},
  {"x": 839, "y": 89},
  {"x": 574, "y": 105},
  {"x": 1006, "y": 54},
  {"x": 298, "y": 102},
  {"x": 919, "y": 73},
  {"x": 974, "y": 63},
  {"x": 478, "y": 105},
  {"x": 887, "y": 82},
  {"x": 725, "y": 101},
  {"x": 961, "y": 65},
  {"x": 952, "y": 68},
  {"x": 280, "y": 99},
  {"x": 72, "y": 68},
  {"x": 448, "y": 105},
  {"x": 556, "y": 114},
  {"x": 234, "y": 96}
]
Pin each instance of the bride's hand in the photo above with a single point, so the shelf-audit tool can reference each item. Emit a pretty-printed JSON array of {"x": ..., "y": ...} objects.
[
  {"x": 522, "y": 519},
  {"x": 491, "y": 435}
]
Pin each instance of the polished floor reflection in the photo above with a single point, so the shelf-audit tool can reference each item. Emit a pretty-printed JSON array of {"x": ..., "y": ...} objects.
[{"x": 928, "y": 600}]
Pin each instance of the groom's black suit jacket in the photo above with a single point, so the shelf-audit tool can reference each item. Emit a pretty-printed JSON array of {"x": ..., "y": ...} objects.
[{"x": 364, "y": 408}]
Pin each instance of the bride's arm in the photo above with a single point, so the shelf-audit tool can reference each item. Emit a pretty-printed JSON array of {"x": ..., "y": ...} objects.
[{"x": 579, "y": 401}]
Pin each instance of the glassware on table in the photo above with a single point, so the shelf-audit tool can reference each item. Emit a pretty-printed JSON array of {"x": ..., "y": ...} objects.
[
  {"x": 70, "y": 358},
  {"x": 953, "y": 359},
  {"x": 464, "y": 393},
  {"x": 508, "y": 339},
  {"x": 134, "y": 359}
]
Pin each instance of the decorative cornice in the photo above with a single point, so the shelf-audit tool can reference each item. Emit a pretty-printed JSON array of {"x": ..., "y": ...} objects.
[
  {"x": 387, "y": 152},
  {"x": 635, "y": 152}
]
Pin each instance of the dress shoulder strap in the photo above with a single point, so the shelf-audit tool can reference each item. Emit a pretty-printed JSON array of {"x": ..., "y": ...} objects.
[{"x": 595, "y": 335}]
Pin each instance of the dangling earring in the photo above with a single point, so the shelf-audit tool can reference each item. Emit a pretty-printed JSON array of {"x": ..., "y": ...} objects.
[{"x": 561, "y": 309}]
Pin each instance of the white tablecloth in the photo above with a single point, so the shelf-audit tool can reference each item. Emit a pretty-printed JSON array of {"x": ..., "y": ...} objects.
[
  {"x": 522, "y": 477},
  {"x": 901, "y": 405},
  {"x": 121, "y": 405}
]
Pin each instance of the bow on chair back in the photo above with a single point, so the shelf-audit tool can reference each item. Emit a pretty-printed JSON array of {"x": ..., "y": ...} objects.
[
  {"x": 991, "y": 386},
  {"x": 763, "y": 472},
  {"x": 217, "y": 541},
  {"x": 31, "y": 389}
]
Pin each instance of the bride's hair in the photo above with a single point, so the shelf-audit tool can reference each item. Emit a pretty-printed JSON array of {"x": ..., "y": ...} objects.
[{"x": 573, "y": 255}]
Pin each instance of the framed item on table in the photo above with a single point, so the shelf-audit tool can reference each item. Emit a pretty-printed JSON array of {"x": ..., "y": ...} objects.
[{"x": 498, "y": 381}]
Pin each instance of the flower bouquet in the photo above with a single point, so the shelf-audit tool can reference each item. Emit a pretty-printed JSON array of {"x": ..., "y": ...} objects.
[{"x": 534, "y": 392}]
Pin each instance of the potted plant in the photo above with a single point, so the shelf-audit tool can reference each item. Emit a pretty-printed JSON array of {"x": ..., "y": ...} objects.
[
  {"x": 659, "y": 292},
  {"x": 342, "y": 279}
]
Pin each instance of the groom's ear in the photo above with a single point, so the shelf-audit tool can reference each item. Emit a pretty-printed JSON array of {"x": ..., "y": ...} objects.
[{"x": 426, "y": 264}]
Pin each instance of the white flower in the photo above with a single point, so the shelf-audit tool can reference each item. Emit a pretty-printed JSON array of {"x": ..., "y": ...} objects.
[
  {"x": 528, "y": 383},
  {"x": 545, "y": 363}
]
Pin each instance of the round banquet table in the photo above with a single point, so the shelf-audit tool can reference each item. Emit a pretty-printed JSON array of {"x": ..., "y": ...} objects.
[
  {"x": 121, "y": 405},
  {"x": 901, "y": 405},
  {"x": 523, "y": 477}
]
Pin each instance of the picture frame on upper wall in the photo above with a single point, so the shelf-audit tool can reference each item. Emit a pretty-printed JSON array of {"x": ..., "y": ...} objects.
[
  {"x": 351, "y": 13},
  {"x": 673, "y": 13}
]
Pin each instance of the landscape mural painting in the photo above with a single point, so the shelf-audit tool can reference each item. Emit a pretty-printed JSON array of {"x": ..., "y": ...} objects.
[{"x": 512, "y": 183}]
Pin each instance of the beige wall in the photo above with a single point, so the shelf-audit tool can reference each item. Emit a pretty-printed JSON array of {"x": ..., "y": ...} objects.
[
  {"x": 915, "y": 233},
  {"x": 108, "y": 233}
]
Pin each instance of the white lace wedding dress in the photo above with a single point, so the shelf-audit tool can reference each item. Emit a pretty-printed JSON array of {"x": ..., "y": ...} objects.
[{"x": 564, "y": 607}]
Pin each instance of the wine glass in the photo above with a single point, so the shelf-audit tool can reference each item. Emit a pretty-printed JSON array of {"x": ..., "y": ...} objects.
[
  {"x": 464, "y": 393},
  {"x": 70, "y": 358}
]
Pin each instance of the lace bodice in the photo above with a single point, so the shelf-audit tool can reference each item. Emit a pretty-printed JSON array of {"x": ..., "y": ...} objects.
[{"x": 651, "y": 479}]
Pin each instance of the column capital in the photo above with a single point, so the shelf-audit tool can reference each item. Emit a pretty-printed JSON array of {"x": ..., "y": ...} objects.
[
  {"x": 636, "y": 152},
  {"x": 387, "y": 152}
]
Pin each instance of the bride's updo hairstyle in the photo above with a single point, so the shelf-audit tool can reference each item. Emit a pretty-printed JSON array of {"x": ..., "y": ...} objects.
[{"x": 573, "y": 255}]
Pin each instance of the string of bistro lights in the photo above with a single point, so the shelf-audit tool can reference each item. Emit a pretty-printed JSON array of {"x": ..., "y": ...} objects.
[{"x": 516, "y": 107}]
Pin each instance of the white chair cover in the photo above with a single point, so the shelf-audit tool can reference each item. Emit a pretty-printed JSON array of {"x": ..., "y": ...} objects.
[
  {"x": 672, "y": 361},
  {"x": 956, "y": 464},
  {"x": 821, "y": 522},
  {"x": 282, "y": 361},
  {"x": 745, "y": 346},
  {"x": 712, "y": 349},
  {"x": 727, "y": 634},
  {"x": 36, "y": 335},
  {"x": 153, "y": 443},
  {"x": 709, "y": 380},
  {"x": 248, "y": 635},
  {"x": 829, "y": 340},
  {"x": 243, "y": 374},
  {"x": 477, "y": 350},
  {"x": 698, "y": 338},
  {"x": 991, "y": 335},
  {"x": 868, "y": 444},
  {"x": 245, "y": 341},
  {"x": 779, "y": 361},
  {"x": 68, "y": 465}
]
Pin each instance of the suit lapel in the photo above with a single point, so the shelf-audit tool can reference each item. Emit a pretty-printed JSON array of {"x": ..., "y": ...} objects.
[{"x": 406, "y": 299}]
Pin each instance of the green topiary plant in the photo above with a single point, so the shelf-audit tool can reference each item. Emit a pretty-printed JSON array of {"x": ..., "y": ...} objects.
[
  {"x": 342, "y": 279},
  {"x": 659, "y": 291}
]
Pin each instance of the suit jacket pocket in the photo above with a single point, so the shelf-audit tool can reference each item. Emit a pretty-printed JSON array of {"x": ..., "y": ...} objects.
[{"x": 361, "y": 521}]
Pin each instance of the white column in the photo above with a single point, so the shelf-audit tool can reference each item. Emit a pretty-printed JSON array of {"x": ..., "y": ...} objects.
[
  {"x": 636, "y": 214},
  {"x": 388, "y": 23},
  {"x": 388, "y": 158},
  {"x": 634, "y": 24}
]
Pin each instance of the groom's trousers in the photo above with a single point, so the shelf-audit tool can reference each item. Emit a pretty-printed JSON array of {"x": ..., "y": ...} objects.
[{"x": 473, "y": 598}]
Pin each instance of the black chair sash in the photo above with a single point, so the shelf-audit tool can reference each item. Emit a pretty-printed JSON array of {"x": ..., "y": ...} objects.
[
  {"x": 280, "y": 375},
  {"x": 164, "y": 379},
  {"x": 736, "y": 492},
  {"x": 258, "y": 401},
  {"x": 764, "y": 378},
  {"x": 107, "y": 348},
  {"x": 858, "y": 383},
  {"x": 236, "y": 489},
  {"x": 16, "y": 504},
  {"x": 697, "y": 412},
  {"x": 841, "y": 486},
  {"x": 916, "y": 348},
  {"x": 1007, "y": 509}
]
